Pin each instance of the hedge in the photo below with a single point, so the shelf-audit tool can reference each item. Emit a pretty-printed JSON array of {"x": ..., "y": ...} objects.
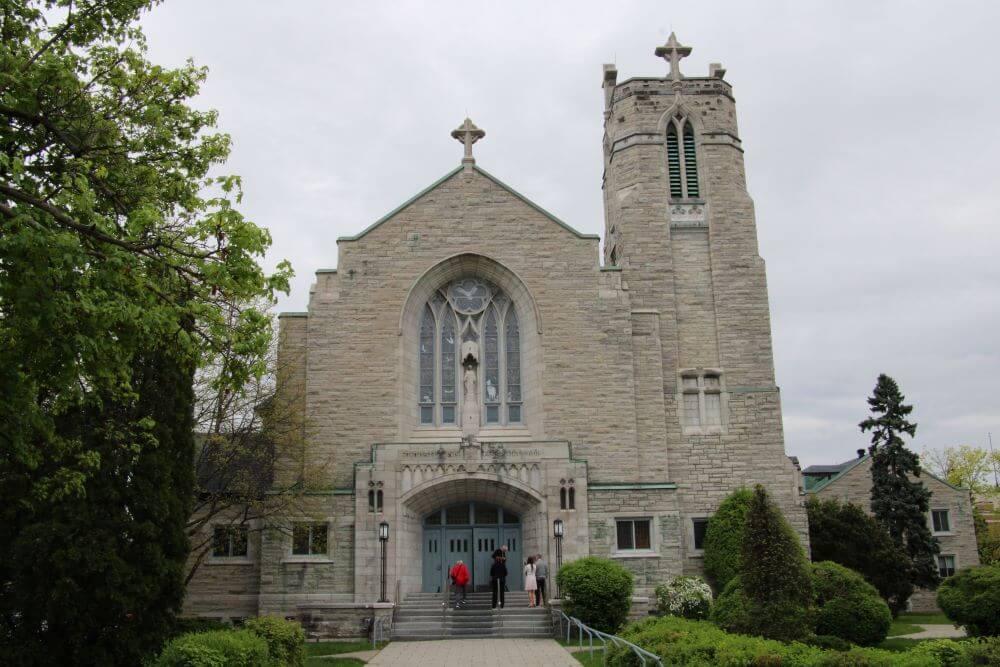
[
  {"x": 971, "y": 597},
  {"x": 699, "y": 643},
  {"x": 597, "y": 591},
  {"x": 847, "y": 606},
  {"x": 285, "y": 639},
  {"x": 687, "y": 597},
  {"x": 216, "y": 648},
  {"x": 724, "y": 539}
]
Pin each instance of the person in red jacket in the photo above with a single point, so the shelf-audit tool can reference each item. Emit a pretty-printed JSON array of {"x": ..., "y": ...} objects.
[{"x": 459, "y": 578}]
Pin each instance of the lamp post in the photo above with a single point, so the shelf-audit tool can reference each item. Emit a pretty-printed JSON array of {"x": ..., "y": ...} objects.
[
  {"x": 557, "y": 532},
  {"x": 383, "y": 537}
]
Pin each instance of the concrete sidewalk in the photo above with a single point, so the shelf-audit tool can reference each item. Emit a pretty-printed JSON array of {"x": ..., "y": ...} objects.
[{"x": 479, "y": 652}]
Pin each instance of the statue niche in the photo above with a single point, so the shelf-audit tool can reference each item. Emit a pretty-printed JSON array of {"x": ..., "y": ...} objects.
[{"x": 470, "y": 395}]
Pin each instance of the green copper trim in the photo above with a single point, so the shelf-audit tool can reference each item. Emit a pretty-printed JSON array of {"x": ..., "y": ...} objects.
[
  {"x": 293, "y": 314},
  {"x": 751, "y": 390},
  {"x": 446, "y": 177},
  {"x": 630, "y": 486},
  {"x": 326, "y": 270}
]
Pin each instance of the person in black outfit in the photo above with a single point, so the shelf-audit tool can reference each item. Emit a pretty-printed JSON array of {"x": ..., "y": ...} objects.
[{"x": 498, "y": 580}]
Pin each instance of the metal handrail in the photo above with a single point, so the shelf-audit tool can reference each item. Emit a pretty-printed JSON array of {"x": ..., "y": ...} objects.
[
  {"x": 640, "y": 653},
  {"x": 378, "y": 631}
]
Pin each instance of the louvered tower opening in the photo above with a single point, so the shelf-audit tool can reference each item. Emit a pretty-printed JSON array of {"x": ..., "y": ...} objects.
[
  {"x": 690, "y": 162},
  {"x": 674, "y": 163}
]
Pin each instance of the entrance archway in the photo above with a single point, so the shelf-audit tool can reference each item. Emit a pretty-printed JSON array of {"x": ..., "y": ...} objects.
[{"x": 470, "y": 532}]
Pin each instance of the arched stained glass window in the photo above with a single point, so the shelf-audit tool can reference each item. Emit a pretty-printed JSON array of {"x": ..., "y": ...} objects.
[
  {"x": 491, "y": 368},
  {"x": 470, "y": 310},
  {"x": 674, "y": 162},
  {"x": 682, "y": 159},
  {"x": 512, "y": 345},
  {"x": 449, "y": 368},
  {"x": 427, "y": 367},
  {"x": 690, "y": 162}
]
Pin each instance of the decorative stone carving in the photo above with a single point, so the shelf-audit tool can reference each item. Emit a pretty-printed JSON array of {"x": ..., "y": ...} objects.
[{"x": 688, "y": 215}]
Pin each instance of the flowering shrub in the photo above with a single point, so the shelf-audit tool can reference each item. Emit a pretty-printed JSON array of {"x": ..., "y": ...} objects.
[{"x": 687, "y": 597}]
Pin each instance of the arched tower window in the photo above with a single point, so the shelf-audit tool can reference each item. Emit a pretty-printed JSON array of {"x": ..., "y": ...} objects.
[
  {"x": 470, "y": 309},
  {"x": 682, "y": 159}
]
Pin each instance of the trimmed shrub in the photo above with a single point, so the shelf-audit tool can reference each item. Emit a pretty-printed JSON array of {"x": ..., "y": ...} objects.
[
  {"x": 597, "y": 591},
  {"x": 844, "y": 533},
  {"x": 724, "y": 539},
  {"x": 687, "y": 597},
  {"x": 184, "y": 626},
  {"x": 217, "y": 648},
  {"x": 948, "y": 653},
  {"x": 697, "y": 643},
  {"x": 983, "y": 651},
  {"x": 774, "y": 573},
  {"x": 730, "y": 611},
  {"x": 286, "y": 640},
  {"x": 971, "y": 597},
  {"x": 847, "y": 606},
  {"x": 829, "y": 642}
]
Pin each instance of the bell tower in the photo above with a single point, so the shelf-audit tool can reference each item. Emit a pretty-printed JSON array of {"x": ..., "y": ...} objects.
[{"x": 679, "y": 225}]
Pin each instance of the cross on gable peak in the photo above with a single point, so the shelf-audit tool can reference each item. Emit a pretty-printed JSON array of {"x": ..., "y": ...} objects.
[
  {"x": 672, "y": 52},
  {"x": 468, "y": 134}
]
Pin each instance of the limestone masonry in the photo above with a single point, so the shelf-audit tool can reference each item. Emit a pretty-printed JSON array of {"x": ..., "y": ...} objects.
[{"x": 472, "y": 372}]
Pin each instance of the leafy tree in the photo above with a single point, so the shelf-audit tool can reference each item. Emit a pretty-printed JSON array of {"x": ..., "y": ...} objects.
[
  {"x": 724, "y": 539},
  {"x": 123, "y": 267},
  {"x": 898, "y": 502},
  {"x": 971, "y": 598},
  {"x": 968, "y": 467},
  {"x": 987, "y": 539},
  {"x": 774, "y": 573},
  {"x": 844, "y": 533}
]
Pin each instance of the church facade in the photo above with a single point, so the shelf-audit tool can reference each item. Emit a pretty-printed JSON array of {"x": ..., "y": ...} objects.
[{"x": 474, "y": 370}]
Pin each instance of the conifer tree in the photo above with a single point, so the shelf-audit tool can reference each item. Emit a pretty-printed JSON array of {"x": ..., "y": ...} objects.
[
  {"x": 900, "y": 502},
  {"x": 774, "y": 573}
]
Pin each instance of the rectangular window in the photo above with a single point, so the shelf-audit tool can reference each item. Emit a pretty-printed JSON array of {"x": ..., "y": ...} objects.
[
  {"x": 946, "y": 566},
  {"x": 634, "y": 534},
  {"x": 448, "y": 414},
  {"x": 229, "y": 541},
  {"x": 701, "y": 396},
  {"x": 492, "y": 414},
  {"x": 514, "y": 414},
  {"x": 699, "y": 526},
  {"x": 309, "y": 539},
  {"x": 713, "y": 410},
  {"x": 426, "y": 414},
  {"x": 692, "y": 411},
  {"x": 940, "y": 521}
]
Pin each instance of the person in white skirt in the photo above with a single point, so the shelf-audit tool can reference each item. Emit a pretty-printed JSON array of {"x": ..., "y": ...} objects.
[{"x": 530, "y": 583}]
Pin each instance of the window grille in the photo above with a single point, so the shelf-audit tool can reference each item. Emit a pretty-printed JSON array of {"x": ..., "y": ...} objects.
[
  {"x": 682, "y": 160},
  {"x": 674, "y": 163},
  {"x": 690, "y": 162}
]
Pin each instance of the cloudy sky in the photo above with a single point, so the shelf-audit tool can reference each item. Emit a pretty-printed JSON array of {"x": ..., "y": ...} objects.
[{"x": 871, "y": 129}]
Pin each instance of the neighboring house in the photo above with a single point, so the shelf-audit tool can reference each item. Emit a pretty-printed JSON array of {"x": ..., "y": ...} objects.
[{"x": 950, "y": 516}]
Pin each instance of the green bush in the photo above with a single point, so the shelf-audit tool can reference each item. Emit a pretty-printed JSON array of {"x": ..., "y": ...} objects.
[
  {"x": 947, "y": 652},
  {"x": 971, "y": 597},
  {"x": 184, "y": 626},
  {"x": 774, "y": 573},
  {"x": 730, "y": 611},
  {"x": 724, "y": 539},
  {"x": 217, "y": 648},
  {"x": 845, "y": 533},
  {"x": 687, "y": 597},
  {"x": 847, "y": 606},
  {"x": 597, "y": 591},
  {"x": 829, "y": 642},
  {"x": 286, "y": 640},
  {"x": 983, "y": 651},
  {"x": 697, "y": 643}
]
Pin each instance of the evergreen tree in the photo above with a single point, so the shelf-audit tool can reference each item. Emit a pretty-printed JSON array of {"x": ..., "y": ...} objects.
[
  {"x": 774, "y": 573},
  {"x": 846, "y": 534},
  {"x": 900, "y": 503}
]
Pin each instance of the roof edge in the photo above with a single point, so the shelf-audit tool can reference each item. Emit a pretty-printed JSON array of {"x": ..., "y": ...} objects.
[{"x": 854, "y": 464}]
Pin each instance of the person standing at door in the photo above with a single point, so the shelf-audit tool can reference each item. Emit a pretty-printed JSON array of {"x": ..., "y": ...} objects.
[
  {"x": 530, "y": 583},
  {"x": 498, "y": 580},
  {"x": 459, "y": 578},
  {"x": 541, "y": 574}
]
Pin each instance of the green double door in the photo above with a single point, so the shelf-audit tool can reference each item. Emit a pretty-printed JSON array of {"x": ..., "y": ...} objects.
[{"x": 445, "y": 545}]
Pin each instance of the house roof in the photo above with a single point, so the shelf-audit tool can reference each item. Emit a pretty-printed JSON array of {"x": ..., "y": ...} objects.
[
  {"x": 448, "y": 177},
  {"x": 815, "y": 479}
]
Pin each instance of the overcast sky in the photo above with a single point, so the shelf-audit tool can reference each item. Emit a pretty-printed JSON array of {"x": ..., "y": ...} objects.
[{"x": 871, "y": 129}]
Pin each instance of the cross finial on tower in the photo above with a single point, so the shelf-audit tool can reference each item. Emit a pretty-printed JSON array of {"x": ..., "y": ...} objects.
[
  {"x": 468, "y": 134},
  {"x": 672, "y": 52}
]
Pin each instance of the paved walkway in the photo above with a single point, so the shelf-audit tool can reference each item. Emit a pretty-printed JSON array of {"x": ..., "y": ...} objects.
[
  {"x": 479, "y": 652},
  {"x": 934, "y": 631}
]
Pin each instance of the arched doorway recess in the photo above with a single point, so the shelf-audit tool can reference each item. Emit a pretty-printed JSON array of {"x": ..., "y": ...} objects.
[{"x": 471, "y": 532}]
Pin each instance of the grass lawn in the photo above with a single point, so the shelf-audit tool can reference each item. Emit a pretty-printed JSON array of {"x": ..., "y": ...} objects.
[
  {"x": 903, "y": 628},
  {"x": 335, "y": 648},
  {"x": 332, "y": 662},
  {"x": 935, "y": 619}
]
